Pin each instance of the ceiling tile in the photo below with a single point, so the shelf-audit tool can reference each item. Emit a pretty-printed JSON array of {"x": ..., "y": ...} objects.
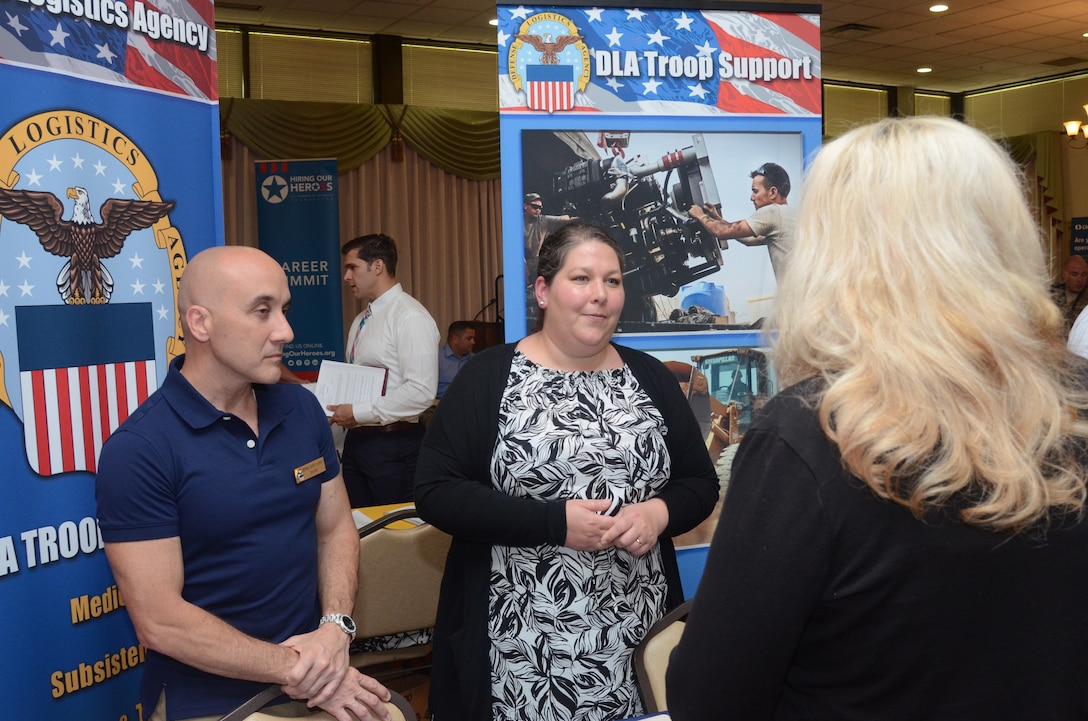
[
  {"x": 445, "y": 16},
  {"x": 977, "y": 44}
]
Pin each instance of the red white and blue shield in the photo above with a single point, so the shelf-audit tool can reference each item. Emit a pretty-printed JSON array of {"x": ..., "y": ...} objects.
[
  {"x": 82, "y": 379},
  {"x": 549, "y": 87}
]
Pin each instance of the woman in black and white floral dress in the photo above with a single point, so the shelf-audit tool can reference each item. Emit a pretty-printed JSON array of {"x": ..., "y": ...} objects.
[{"x": 562, "y": 465}]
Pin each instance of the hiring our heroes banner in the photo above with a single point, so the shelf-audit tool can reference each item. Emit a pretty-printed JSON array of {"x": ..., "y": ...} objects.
[
  {"x": 109, "y": 183},
  {"x": 298, "y": 224}
]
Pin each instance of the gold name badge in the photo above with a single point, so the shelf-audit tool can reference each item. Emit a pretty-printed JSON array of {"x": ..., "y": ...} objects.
[{"x": 311, "y": 469}]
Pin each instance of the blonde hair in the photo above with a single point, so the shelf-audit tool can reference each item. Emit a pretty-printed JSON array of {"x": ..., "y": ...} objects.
[{"x": 917, "y": 290}]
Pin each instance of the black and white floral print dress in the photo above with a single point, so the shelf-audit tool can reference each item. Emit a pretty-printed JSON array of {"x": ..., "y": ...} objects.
[{"x": 563, "y": 623}]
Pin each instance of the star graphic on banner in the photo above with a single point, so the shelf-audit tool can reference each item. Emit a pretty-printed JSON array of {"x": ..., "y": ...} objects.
[
  {"x": 77, "y": 161},
  {"x": 33, "y": 178},
  {"x": 274, "y": 188},
  {"x": 614, "y": 84},
  {"x": 26, "y": 287},
  {"x": 105, "y": 53},
  {"x": 24, "y": 260},
  {"x": 158, "y": 285},
  {"x": 18, "y": 27},
  {"x": 163, "y": 312},
  {"x": 698, "y": 91},
  {"x": 54, "y": 163},
  {"x": 137, "y": 287},
  {"x": 503, "y": 37},
  {"x": 136, "y": 260},
  {"x": 99, "y": 169},
  {"x": 58, "y": 36},
  {"x": 614, "y": 38},
  {"x": 4, "y": 288},
  {"x": 119, "y": 187},
  {"x": 650, "y": 86},
  {"x": 521, "y": 13},
  {"x": 4, "y": 318},
  {"x": 594, "y": 14},
  {"x": 705, "y": 49},
  {"x": 635, "y": 14},
  {"x": 658, "y": 38},
  {"x": 684, "y": 22}
]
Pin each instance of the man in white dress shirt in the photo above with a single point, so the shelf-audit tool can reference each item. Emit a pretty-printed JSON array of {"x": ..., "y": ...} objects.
[{"x": 397, "y": 333}]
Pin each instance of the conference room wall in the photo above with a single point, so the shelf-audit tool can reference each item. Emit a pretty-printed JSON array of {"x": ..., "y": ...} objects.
[{"x": 449, "y": 227}]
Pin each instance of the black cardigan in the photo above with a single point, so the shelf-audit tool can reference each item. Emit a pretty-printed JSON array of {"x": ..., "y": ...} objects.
[{"x": 453, "y": 491}]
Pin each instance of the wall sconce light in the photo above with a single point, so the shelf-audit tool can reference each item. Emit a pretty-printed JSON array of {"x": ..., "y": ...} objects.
[{"x": 1077, "y": 132}]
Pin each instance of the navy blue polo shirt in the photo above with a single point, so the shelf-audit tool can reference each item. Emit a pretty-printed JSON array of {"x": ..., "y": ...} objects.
[{"x": 180, "y": 468}]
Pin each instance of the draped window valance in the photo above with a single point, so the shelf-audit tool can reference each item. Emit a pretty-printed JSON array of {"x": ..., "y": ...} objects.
[{"x": 464, "y": 143}]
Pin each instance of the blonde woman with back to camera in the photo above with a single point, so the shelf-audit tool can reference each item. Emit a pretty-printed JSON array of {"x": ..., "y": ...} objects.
[
  {"x": 903, "y": 536},
  {"x": 562, "y": 465}
]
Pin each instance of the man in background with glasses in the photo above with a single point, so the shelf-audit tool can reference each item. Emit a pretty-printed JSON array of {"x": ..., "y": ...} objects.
[{"x": 537, "y": 227}]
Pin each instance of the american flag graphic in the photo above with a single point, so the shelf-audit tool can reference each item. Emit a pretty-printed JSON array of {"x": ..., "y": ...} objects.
[
  {"x": 549, "y": 87},
  {"x": 168, "y": 46},
  {"x": 742, "y": 53},
  {"x": 81, "y": 380}
]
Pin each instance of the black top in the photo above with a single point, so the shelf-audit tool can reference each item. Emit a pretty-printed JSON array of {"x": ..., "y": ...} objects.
[
  {"x": 454, "y": 492},
  {"x": 821, "y": 601}
]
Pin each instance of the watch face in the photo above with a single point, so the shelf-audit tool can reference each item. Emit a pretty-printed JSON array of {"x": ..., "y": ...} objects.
[{"x": 348, "y": 623}]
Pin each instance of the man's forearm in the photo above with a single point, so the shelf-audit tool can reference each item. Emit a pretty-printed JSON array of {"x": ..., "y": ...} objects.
[
  {"x": 338, "y": 570},
  {"x": 149, "y": 575},
  {"x": 725, "y": 229},
  {"x": 201, "y": 640}
]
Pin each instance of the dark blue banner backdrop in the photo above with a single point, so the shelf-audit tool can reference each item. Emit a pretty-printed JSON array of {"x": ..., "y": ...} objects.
[
  {"x": 108, "y": 126},
  {"x": 1078, "y": 237},
  {"x": 298, "y": 223},
  {"x": 627, "y": 117}
]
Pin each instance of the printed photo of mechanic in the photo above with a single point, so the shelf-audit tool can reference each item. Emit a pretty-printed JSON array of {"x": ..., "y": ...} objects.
[{"x": 704, "y": 219}]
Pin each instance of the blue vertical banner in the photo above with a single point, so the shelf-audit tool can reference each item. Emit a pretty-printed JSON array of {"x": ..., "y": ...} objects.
[
  {"x": 298, "y": 224},
  {"x": 630, "y": 118},
  {"x": 109, "y": 183}
]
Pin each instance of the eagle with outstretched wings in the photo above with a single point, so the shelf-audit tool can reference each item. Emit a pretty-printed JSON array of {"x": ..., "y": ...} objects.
[
  {"x": 83, "y": 279},
  {"x": 549, "y": 49}
]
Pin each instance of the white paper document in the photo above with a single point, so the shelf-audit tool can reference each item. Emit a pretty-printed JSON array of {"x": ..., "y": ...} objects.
[{"x": 348, "y": 383}]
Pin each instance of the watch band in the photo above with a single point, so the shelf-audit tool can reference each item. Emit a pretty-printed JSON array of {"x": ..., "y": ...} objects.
[{"x": 346, "y": 624}]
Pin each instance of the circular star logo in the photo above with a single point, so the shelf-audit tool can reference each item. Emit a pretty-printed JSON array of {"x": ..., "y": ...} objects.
[{"x": 274, "y": 189}]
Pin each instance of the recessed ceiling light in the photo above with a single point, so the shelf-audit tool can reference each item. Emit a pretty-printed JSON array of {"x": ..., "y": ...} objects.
[
  {"x": 925, "y": 70},
  {"x": 939, "y": 8},
  {"x": 1084, "y": 35},
  {"x": 493, "y": 21}
]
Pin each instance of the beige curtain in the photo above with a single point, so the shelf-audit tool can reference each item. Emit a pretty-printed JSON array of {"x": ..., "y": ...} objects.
[
  {"x": 462, "y": 142},
  {"x": 1040, "y": 155},
  {"x": 446, "y": 227}
]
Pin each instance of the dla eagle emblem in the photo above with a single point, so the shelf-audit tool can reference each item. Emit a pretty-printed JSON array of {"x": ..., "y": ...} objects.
[
  {"x": 549, "y": 61},
  {"x": 83, "y": 279},
  {"x": 81, "y": 345}
]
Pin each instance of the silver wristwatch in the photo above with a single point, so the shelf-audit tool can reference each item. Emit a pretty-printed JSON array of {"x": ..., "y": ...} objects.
[{"x": 346, "y": 624}]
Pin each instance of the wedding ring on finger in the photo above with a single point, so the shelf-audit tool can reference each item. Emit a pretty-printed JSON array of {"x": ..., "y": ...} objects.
[{"x": 638, "y": 541}]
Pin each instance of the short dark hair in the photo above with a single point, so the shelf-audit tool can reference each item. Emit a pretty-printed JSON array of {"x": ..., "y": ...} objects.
[
  {"x": 376, "y": 246},
  {"x": 557, "y": 246},
  {"x": 775, "y": 176},
  {"x": 458, "y": 327}
]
